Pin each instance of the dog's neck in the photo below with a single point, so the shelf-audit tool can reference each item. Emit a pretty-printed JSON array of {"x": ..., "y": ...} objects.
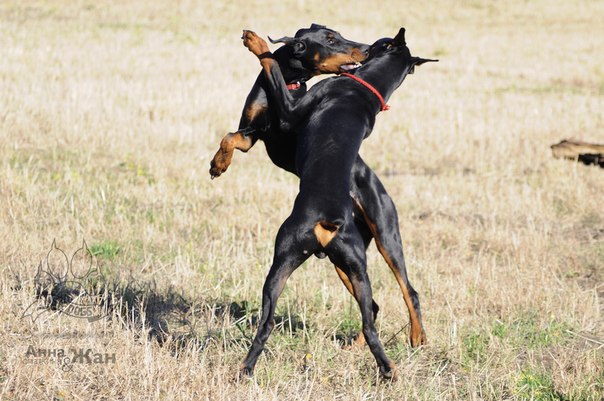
[{"x": 385, "y": 74}]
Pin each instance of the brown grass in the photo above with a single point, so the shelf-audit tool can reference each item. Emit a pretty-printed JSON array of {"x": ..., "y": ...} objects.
[{"x": 110, "y": 112}]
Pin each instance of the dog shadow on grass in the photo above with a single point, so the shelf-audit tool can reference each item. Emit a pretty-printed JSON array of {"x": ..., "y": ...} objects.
[{"x": 163, "y": 314}]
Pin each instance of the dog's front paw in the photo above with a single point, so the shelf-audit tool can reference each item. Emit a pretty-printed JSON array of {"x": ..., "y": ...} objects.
[
  {"x": 219, "y": 163},
  {"x": 254, "y": 43}
]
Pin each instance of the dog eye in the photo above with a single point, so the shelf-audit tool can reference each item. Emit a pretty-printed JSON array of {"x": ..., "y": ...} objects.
[{"x": 331, "y": 41}]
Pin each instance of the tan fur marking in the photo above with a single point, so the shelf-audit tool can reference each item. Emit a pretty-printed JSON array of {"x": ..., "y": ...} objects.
[
  {"x": 254, "y": 110},
  {"x": 360, "y": 340},
  {"x": 331, "y": 64},
  {"x": 345, "y": 280},
  {"x": 417, "y": 334},
  {"x": 325, "y": 232},
  {"x": 224, "y": 155}
]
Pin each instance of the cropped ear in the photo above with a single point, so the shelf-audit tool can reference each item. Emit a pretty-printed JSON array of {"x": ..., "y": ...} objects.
[
  {"x": 399, "y": 39},
  {"x": 419, "y": 61},
  {"x": 317, "y": 26},
  {"x": 298, "y": 45},
  {"x": 288, "y": 40}
]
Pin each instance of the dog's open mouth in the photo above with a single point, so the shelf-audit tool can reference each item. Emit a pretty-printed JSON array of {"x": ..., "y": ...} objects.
[{"x": 349, "y": 67}]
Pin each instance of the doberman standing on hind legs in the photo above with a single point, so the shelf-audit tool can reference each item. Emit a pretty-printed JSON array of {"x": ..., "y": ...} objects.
[
  {"x": 310, "y": 52},
  {"x": 330, "y": 121}
]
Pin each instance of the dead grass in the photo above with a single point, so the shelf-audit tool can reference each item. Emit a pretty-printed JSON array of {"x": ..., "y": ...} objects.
[{"x": 109, "y": 114}]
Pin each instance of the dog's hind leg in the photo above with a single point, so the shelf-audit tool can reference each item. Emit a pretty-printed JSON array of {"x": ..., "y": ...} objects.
[
  {"x": 381, "y": 217},
  {"x": 367, "y": 237},
  {"x": 348, "y": 253},
  {"x": 288, "y": 257}
]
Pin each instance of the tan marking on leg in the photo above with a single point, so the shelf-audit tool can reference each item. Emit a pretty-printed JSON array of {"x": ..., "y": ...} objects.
[
  {"x": 345, "y": 280},
  {"x": 417, "y": 334},
  {"x": 359, "y": 342},
  {"x": 325, "y": 232},
  {"x": 224, "y": 155},
  {"x": 254, "y": 110}
]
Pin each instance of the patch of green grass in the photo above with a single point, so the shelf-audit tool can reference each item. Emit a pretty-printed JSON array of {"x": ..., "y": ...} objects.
[
  {"x": 537, "y": 386},
  {"x": 499, "y": 329},
  {"x": 530, "y": 332},
  {"x": 527, "y": 330},
  {"x": 350, "y": 324},
  {"x": 107, "y": 249},
  {"x": 474, "y": 347}
]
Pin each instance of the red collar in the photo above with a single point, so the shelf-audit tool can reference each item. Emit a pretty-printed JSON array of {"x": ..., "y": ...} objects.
[
  {"x": 294, "y": 86},
  {"x": 371, "y": 88}
]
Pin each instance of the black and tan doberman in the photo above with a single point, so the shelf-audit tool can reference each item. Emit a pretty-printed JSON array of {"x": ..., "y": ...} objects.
[
  {"x": 310, "y": 52},
  {"x": 329, "y": 122}
]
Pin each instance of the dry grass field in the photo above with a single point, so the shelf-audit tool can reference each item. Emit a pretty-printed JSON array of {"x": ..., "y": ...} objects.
[{"x": 110, "y": 113}]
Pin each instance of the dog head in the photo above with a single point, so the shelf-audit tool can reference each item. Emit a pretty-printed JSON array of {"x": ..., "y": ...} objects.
[
  {"x": 321, "y": 50},
  {"x": 389, "y": 49}
]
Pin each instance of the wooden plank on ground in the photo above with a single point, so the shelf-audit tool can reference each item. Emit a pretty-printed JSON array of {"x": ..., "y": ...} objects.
[{"x": 584, "y": 152}]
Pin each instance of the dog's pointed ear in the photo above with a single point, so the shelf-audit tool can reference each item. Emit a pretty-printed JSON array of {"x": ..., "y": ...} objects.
[
  {"x": 288, "y": 40},
  {"x": 399, "y": 39},
  {"x": 415, "y": 61},
  {"x": 317, "y": 26},
  {"x": 298, "y": 45},
  {"x": 420, "y": 61}
]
